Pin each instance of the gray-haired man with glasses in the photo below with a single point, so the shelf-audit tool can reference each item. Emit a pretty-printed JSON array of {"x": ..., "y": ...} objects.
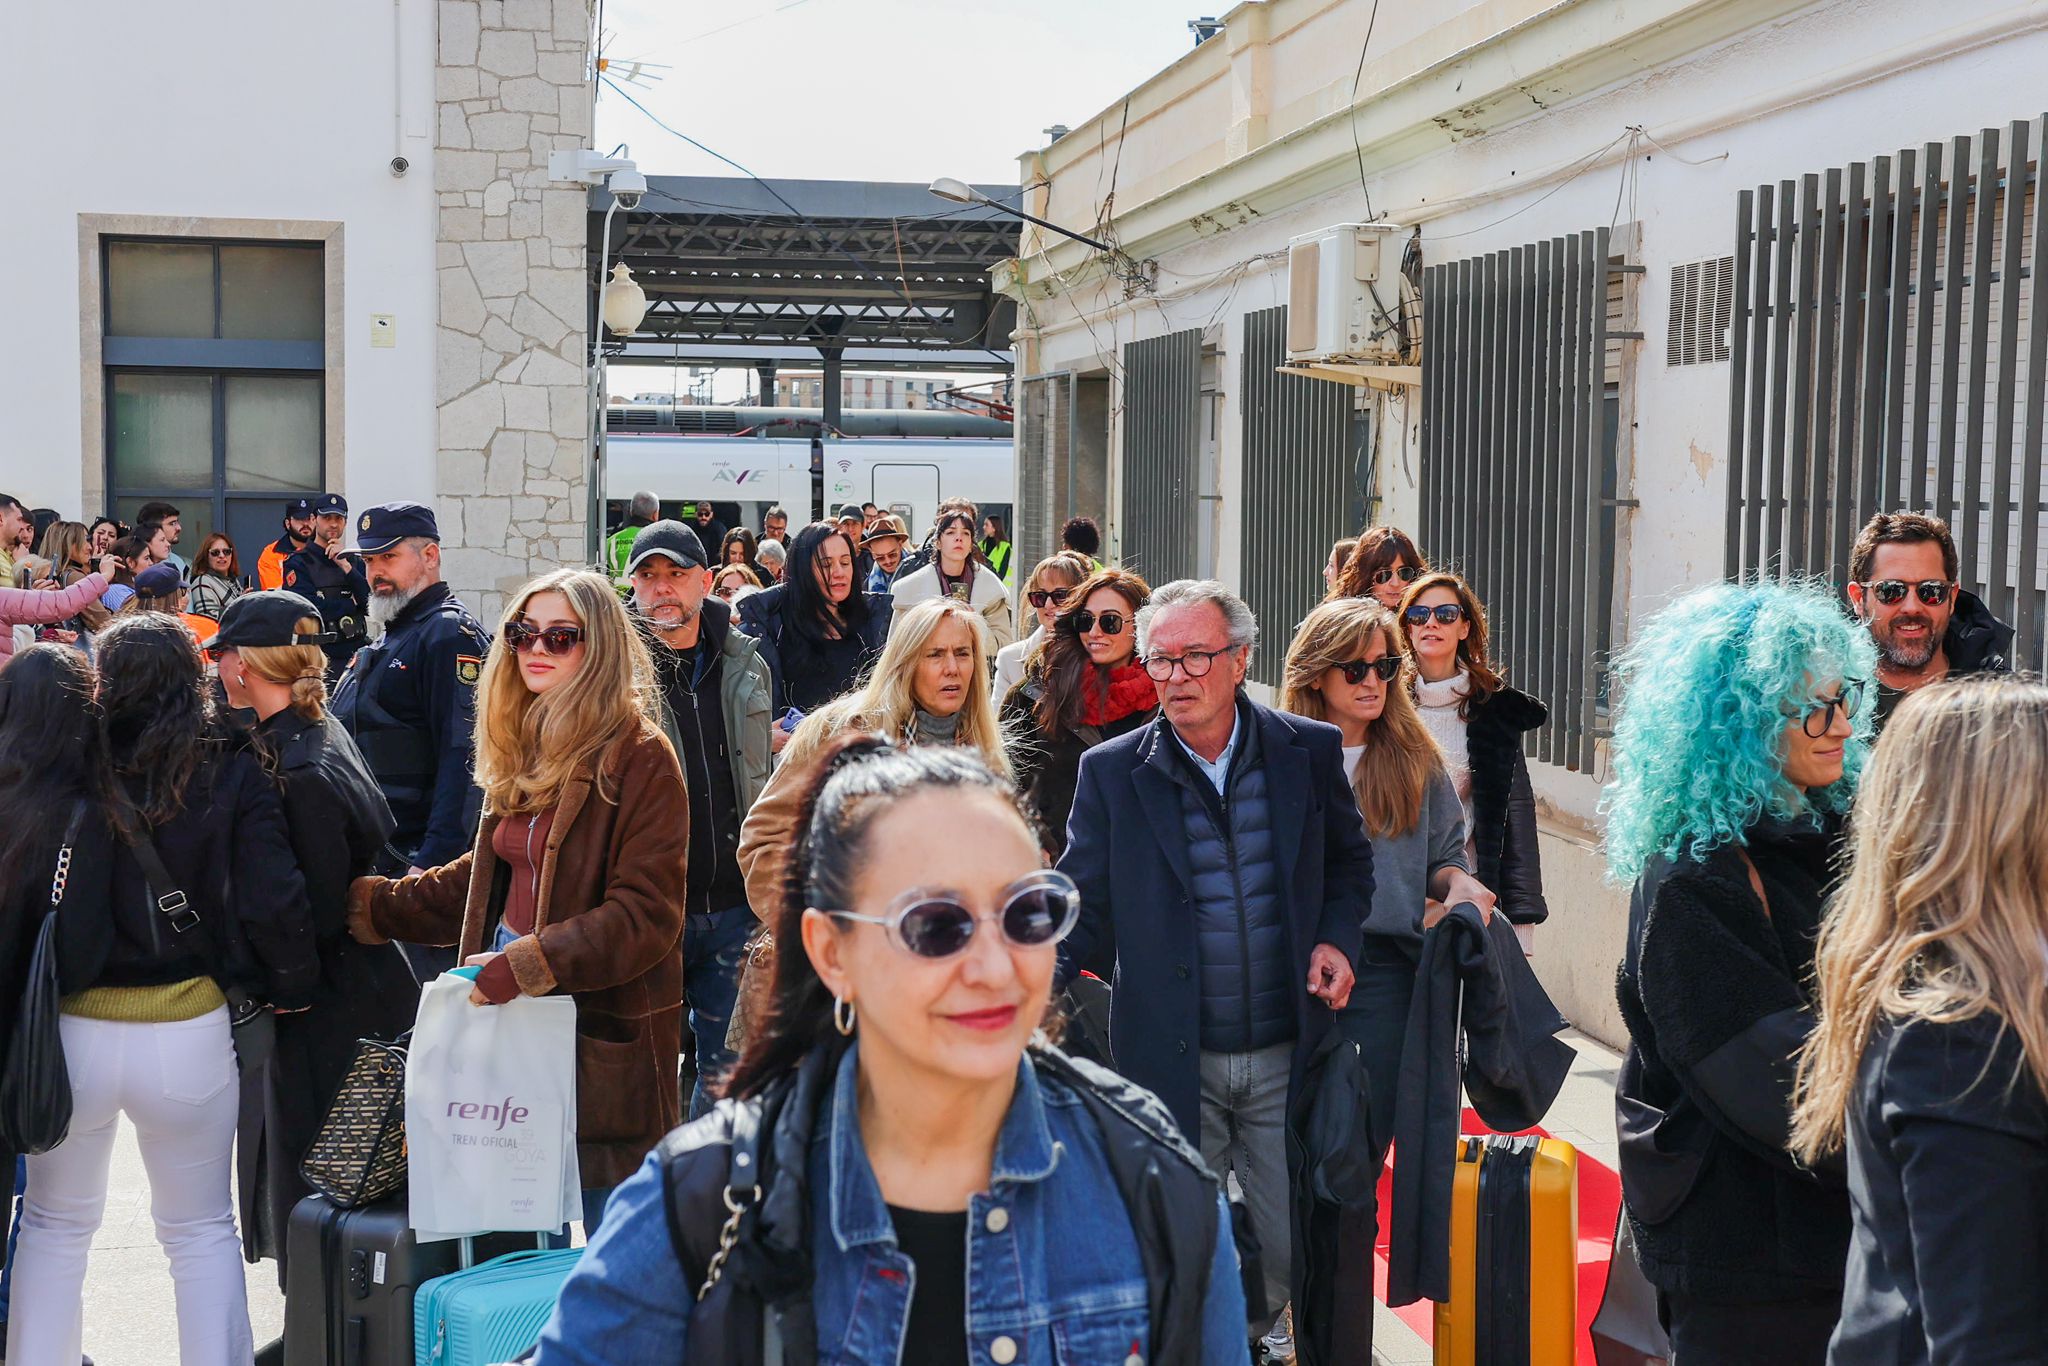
[{"x": 1225, "y": 875}]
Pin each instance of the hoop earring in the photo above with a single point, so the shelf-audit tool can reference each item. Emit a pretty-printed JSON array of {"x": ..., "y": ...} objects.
[{"x": 842, "y": 1015}]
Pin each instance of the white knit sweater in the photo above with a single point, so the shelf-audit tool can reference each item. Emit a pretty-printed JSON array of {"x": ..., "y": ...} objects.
[{"x": 1438, "y": 703}]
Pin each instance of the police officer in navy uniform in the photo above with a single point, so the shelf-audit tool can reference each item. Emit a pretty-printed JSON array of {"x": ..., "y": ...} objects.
[
  {"x": 332, "y": 579},
  {"x": 409, "y": 700}
]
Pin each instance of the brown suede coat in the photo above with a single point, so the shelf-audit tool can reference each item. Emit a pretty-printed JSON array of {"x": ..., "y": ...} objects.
[{"x": 608, "y": 930}]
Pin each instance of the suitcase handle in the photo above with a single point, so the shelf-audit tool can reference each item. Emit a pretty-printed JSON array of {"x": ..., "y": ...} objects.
[{"x": 465, "y": 1251}]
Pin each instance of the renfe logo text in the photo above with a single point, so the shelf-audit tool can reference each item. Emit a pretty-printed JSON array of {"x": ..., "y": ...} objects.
[{"x": 504, "y": 1112}]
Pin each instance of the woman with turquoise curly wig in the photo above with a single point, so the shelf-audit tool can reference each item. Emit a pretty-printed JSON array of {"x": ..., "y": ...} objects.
[{"x": 1741, "y": 735}]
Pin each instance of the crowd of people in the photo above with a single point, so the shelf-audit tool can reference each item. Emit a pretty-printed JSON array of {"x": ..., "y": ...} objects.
[{"x": 826, "y": 828}]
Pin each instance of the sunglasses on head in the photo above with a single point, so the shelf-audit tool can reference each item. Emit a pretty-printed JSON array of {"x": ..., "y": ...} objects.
[
  {"x": 1043, "y": 597},
  {"x": 1111, "y": 623},
  {"x": 553, "y": 640},
  {"x": 1447, "y": 613},
  {"x": 1407, "y": 573},
  {"x": 1384, "y": 668},
  {"x": 1890, "y": 592},
  {"x": 1036, "y": 910}
]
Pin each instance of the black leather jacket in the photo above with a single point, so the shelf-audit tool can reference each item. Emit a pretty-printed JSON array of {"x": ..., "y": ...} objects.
[
  {"x": 759, "y": 1310},
  {"x": 1503, "y": 803}
]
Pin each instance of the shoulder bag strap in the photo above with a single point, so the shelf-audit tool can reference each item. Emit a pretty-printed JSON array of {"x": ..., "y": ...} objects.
[
  {"x": 62, "y": 876},
  {"x": 164, "y": 888}
]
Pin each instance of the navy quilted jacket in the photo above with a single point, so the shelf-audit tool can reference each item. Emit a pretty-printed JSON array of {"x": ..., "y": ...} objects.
[{"x": 1247, "y": 976}]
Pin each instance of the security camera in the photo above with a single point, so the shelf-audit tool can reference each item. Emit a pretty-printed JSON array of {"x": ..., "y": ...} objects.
[
  {"x": 627, "y": 186},
  {"x": 399, "y": 165}
]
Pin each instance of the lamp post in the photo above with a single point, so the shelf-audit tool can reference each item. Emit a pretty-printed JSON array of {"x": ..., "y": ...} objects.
[
  {"x": 620, "y": 312},
  {"x": 960, "y": 192}
]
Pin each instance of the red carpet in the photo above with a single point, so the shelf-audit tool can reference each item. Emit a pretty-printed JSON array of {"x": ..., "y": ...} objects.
[{"x": 1599, "y": 1203}]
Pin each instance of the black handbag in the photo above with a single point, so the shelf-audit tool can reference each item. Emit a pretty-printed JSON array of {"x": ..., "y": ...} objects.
[
  {"x": 358, "y": 1156},
  {"x": 35, "y": 1088}
]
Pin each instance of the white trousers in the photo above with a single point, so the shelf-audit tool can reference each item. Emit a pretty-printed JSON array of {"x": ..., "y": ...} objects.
[{"x": 177, "y": 1085}]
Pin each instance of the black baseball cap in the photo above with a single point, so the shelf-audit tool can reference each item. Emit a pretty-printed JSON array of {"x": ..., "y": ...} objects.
[
  {"x": 270, "y": 617},
  {"x": 331, "y": 505},
  {"x": 850, "y": 512},
  {"x": 385, "y": 525},
  {"x": 672, "y": 539},
  {"x": 298, "y": 508}
]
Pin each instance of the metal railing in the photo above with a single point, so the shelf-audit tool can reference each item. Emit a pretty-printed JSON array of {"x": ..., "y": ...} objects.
[
  {"x": 1518, "y": 468},
  {"x": 1302, "y": 485},
  {"x": 1890, "y": 351},
  {"x": 1162, "y": 446}
]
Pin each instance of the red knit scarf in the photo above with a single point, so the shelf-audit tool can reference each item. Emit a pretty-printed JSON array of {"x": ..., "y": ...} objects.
[{"x": 1130, "y": 692}]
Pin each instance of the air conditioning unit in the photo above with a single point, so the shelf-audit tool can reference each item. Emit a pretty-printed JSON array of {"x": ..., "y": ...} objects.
[{"x": 1344, "y": 294}]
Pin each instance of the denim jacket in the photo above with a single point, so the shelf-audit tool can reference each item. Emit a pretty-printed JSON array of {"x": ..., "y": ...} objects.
[{"x": 1053, "y": 1268}]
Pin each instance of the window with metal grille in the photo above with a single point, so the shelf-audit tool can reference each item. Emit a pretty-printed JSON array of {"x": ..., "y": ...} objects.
[
  {"x": 1306, "y": 482},
  {"x": 1162, "y": 446},
  {"x": 1891, "y": 351},
  {"x": 1045, "y": 423},
  {"x": 1520, "y": 392},
  {"x": 1702, "y": 294}
]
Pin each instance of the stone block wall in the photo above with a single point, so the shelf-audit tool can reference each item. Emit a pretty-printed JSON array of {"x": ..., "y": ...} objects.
[{"x": 511, "y": 84}]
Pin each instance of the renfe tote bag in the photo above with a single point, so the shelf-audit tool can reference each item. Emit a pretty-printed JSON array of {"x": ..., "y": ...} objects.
[{"x": 490, "y": 1114}]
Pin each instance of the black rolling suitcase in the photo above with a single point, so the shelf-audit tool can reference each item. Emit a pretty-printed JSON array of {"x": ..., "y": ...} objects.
[{"x": 350, "y": 1278}]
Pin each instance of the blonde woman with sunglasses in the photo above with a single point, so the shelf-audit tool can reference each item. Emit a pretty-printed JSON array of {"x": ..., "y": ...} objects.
[
  {"x": 575, "y": 884},
  {"x": 1346, "y": 667}
]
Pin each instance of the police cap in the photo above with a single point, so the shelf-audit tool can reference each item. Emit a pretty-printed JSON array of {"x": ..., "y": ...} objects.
[
  {"x": 385, "y": 525},
  {"x": 271, "y": 617},
  {"x": 331, "y": 505},
  {"x": 298, "y": 508}
]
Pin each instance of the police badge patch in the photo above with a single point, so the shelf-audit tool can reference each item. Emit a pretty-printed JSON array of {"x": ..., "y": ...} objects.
[{"x": 468, "y": 668}]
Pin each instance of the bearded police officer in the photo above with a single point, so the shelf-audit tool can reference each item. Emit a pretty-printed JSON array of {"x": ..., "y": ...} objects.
[
  {"x": 332, "y": 579},
  {"x": 409, "y": 700}
]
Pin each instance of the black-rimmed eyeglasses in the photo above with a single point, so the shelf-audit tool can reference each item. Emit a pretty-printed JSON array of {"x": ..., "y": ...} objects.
[
  {"x": 1195, "y": 664},
  {"x": 1818, "y": 717}
]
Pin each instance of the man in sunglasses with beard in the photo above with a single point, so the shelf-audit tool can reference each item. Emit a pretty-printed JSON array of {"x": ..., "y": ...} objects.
[{"x": 1902, "y": 584}]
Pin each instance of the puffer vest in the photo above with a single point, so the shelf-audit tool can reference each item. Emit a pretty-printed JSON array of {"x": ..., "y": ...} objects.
[{"x": 1247, "y": 980}]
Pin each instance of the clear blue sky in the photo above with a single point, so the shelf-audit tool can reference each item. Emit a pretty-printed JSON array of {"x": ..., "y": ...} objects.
[{"x": 877, "y": 89}]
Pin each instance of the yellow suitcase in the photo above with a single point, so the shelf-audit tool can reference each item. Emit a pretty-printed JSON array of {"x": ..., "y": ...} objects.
[{"x": 1514, "y": 1255}]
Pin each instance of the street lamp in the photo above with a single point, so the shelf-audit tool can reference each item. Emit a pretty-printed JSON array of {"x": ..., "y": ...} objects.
[
  {"x": 625, "y": 302},
  {"x": 960, "y": 192}
]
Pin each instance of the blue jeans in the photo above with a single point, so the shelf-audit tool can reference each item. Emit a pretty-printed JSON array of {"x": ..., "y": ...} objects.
[
  {"x": 712, "y": 948},
  {"x": 13, "y": 1237},
  {"x": 1376, "y": 1019}
]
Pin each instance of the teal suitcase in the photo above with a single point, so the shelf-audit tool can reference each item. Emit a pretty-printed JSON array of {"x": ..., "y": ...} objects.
[{"x": 490, "y": 1312}]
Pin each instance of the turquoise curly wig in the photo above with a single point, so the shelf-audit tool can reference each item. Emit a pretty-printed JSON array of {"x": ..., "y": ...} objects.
[{"x": 1706, "y": 689}]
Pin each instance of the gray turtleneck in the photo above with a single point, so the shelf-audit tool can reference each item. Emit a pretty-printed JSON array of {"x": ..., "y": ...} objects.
[{"x": 926, "y": 729}]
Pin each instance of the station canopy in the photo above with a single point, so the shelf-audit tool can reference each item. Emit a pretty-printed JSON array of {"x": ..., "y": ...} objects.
[{"x": 844, "y": 272}]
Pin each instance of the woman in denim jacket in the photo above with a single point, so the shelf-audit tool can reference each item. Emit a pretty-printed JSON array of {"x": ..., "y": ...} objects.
[{"x": 901, "y": 1171}]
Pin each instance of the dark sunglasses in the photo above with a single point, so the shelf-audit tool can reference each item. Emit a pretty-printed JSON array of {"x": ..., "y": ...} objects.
[
  {"x": 1037, "y": 909},
  {"x": 1041, "y": 597},
  {"x": 555, "y": 640},
  {"x": 1890, "y": 592},
  {"x": 220, "y": 550},
  {"x": 1445, "y": 612},
  {"x": 1407, "y": 573},
  {"x": 1112, "y": 623},
  {"x": 1355, "y": 670},
  {"x": 1818, "y": 718}
]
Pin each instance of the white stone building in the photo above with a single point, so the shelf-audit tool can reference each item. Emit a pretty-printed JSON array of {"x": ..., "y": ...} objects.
[
  {"x": 1511, "y": 140},
  {"x": 227, "y": 295}
]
